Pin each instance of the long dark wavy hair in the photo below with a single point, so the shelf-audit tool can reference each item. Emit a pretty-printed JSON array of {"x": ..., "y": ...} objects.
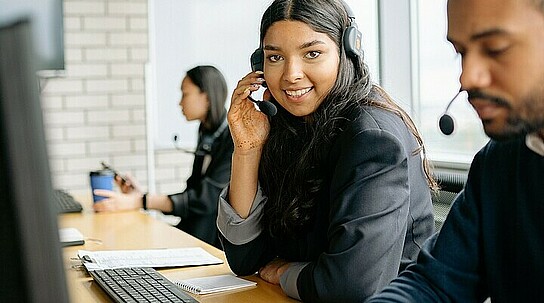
[
  {"x": 212, "y": 82},
  {"x": 291, "y": 170}
]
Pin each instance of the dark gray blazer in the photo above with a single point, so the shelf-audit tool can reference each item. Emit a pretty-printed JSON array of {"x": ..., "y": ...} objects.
[{"x": 371, "y": 219}]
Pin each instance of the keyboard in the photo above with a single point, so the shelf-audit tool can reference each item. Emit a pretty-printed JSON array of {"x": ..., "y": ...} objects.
[
  {"x": 139, "y": 284},
  {"x": 65, "y": 203}
]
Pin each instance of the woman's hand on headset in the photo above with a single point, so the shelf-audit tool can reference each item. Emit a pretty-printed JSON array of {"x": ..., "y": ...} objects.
[{"x": 249, "y": 127}]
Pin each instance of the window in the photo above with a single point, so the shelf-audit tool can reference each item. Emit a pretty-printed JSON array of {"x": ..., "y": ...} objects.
[
  {"x": 438, "y": 69},
  {"x": 420, "y": 69}
]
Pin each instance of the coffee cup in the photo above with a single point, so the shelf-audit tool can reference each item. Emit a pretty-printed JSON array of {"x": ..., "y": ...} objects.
[{"x": 101, "y": 179}]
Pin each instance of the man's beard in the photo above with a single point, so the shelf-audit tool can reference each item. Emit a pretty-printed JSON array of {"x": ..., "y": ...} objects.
[{"x": 527, "y": 117}]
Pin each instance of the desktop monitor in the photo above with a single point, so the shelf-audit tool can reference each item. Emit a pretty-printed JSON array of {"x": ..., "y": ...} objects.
[
  {"x": 47, "y": 30},
  {"x": 31, "y": 265}
]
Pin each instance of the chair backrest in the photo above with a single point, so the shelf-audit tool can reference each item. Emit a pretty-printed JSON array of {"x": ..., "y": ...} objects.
[{"x": 451, "y": 183}]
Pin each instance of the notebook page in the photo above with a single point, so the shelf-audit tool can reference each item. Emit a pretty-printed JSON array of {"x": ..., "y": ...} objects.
[
  {"x": 168, "y": 257},
  {"x": 212, "y": 284}
]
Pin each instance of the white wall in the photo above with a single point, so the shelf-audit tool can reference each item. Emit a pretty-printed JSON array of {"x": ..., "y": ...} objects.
[{"x": 194, "y": 32}]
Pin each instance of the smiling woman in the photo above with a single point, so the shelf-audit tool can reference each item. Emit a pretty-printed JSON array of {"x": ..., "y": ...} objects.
[
  {"x": 336, "y": 185},
  {"x": 301, "y": 66}
]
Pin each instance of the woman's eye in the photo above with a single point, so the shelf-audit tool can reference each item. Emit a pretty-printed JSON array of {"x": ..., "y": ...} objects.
[
  {"x": 313, "y": 54},
  {"x": 274, "y": 58}
]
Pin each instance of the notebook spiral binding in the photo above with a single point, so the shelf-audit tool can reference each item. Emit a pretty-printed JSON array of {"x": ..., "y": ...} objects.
[{"x": 188, "y": 287}]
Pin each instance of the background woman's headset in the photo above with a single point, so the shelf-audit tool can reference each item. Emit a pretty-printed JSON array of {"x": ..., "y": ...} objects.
[{"x": 206, "y": 143}]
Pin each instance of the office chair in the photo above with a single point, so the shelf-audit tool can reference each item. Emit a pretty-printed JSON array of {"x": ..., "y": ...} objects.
[{"x": 451, "y": 183}]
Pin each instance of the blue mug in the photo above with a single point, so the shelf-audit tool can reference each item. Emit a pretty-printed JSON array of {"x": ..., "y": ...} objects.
[{"x": 101, "y": 179}]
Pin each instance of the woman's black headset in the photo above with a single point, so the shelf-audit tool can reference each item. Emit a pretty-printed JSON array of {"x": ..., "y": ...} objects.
[{"x": 206, "y": 143}]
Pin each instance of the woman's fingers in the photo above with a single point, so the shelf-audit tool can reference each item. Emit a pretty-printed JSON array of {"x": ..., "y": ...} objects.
[
  {"x": 104, "y": 193},
  {"x": 250, "y": 83},
  {"x": 248, "y": 126}
]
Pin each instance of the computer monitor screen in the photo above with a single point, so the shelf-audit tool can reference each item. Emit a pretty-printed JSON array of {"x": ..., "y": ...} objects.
[
  {"x": 47, "y": 29},
  {"x": 31, "y": 266}
]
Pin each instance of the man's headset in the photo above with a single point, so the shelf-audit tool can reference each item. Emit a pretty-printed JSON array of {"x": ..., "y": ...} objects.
[
  {"x": 206, "y": 143},
  {"x": 352, "y": 41}
]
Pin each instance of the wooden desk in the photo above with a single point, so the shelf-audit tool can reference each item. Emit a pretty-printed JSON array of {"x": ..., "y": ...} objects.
[{"x": 136, "y": 230}]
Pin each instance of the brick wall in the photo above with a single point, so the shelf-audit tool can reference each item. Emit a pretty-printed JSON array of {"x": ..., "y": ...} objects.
[{"x": 96, "y": 111}]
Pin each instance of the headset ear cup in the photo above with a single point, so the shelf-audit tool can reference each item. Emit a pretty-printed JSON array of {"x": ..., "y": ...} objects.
[
  {"x": 257, "y": 60},
  {"x": 353, "y": 42}
]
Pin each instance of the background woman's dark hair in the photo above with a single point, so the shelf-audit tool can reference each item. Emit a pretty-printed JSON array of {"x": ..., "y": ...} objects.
[
  {"x": 212, "y": 82},
  {"x": 291, "y": 170}
]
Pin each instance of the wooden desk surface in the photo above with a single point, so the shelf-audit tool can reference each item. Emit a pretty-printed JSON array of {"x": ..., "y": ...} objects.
[{"x": 136, "y": 230}]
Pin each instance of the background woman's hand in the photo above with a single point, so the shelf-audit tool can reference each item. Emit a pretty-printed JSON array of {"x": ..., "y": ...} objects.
[
  {"x": 249, "y": 127},
  {"x": 129, "y": 184},
  {"x": 117, "y": 201}
]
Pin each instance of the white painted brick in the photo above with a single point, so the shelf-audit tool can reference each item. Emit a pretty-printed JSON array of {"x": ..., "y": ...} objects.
[
  {"x": 107, "y": 54},
  {"x": 71, "y": 181},
  {"x": 82, "y": 111},
  {"x": 107, "y": 116},
  {"x": 107, "y": 86},
  {"x": 55, "y": 118},
  {"x": 139, "y": 145},
  {"x": 66, "y": 149},
  {"x": 73, "y": 55},
  {"x": 139, "y": 54},
  {"x": 127, "y": 8},
  {"x": 103, "y": 147},
  {"x": 84, "y": 165},
  {"x": 137, "y": 84},
  {"x": 61, "y": 85},
  {"x": 128, "y": 100},
  {"x": 84, "y": 39},
  {"x": 107, "y": 24},
  {"x": 133, "y": 161},
  {"x": 138, "y": 115},
  {"x": 54, "y": 133},
  {"x": 72, "y": 23},
  {"x": 84, "y": 8},
  {"x": 86, "y": 101},
  {"x": 137, "y": 23},
  {"x": 56, "y": 165},
  {"x": 128, "y": 39},
  {"x": 51, "y": 102},
  {"x": 87, "y": 132},
  {"x": 127, "y": 69},
  {"x": 129, "y": 131},
  {"x": 87, "y": 70}
]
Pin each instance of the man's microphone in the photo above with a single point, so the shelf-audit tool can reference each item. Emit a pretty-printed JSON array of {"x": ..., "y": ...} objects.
[
  {"x": 446, "y": 122},
  {"x": 267, "y": 107}
]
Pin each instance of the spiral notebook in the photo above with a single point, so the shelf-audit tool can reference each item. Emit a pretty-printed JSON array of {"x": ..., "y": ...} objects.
[{"x": 212, "y": 284}]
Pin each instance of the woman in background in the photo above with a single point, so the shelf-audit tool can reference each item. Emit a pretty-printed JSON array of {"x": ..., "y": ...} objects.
[
  {"x": 204, "y": 92},
  {"x": 330, "y": 197}
]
